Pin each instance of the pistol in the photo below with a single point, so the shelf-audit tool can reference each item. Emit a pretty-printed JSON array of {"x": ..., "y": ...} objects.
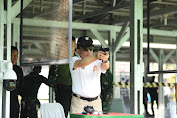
[{"x": 104, "y": 49}]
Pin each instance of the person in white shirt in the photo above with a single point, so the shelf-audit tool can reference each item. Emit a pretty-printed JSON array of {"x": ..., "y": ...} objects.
[{"x": 86, "y": 70}]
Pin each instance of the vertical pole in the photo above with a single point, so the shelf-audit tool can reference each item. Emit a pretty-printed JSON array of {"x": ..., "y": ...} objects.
[
  {"x": 113, "y": 60},
  {"x": 6, "y": 96},
  {"x": 136, "y": 56},
  {"x": 21, "y": 30},
  {"x": 16, "y": 39},
  {"x": 1, "y": 50},
  {"x": 161, "y": 90},
  {"x": 111, "y": 39},
  {"x": 145, "y": 68},
  {"x": 70, "y": 29},
  {"x": 1, "y": 29}
]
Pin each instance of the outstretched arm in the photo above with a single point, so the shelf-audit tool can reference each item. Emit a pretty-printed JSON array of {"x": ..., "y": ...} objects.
[
  {"x": 47, "y": 81},
  {"x": 85, "y": 61}
]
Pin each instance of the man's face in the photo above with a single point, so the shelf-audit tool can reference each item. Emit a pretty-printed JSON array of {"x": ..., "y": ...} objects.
[
  {"x": 14, "y": 56},
  {"x": 85, "y": 52},
  {"x": 73, "y": 47}
]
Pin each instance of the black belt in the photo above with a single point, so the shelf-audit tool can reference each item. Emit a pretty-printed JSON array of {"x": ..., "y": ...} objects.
[{"x": 83, "y": 98}]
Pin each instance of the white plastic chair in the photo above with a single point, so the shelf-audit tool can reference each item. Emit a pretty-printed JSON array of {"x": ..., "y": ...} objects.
[{"x": 52, "y": 110}]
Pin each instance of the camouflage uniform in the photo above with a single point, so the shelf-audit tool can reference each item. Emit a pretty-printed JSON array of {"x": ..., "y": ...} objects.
[
  {"x": 14, "y": 104},
  {"x": 31, "y": 107},
  {"x": 63, "y": 85},
  {"x": 106, "y": 90},
  {"x": 31, "y": 85}
]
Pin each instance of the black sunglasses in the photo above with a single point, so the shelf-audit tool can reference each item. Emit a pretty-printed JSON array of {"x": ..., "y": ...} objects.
[{"x": 89, "y": 48}]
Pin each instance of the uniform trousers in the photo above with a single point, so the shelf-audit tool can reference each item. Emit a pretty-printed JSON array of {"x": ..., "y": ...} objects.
[{"x": 63, "y": 96}]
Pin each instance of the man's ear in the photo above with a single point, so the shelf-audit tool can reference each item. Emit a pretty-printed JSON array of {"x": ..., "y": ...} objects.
[{"x": 77, "y": 50}]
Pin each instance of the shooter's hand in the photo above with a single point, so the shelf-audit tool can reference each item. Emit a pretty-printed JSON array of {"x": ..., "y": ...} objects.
[{"x": 103, "y": 56}]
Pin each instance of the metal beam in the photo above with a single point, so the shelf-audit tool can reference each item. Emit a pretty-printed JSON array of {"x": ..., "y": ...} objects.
[
  {"x": 161, "y": 109},
  {"x": 2, "y": 22},
  {"x": 154, "y": 55},
  {"x": 101, "y": 2},
  {"x": 154, "y": 14},
  {"x": 123, "y": 39},
  {"x": 136, "y": 56},
  {"x": 99, "y": 37},
  {"x": 114, "y": 2},
  {"x": 78, "y": 1},
  {"x": 6, "y": 94},
  {"x": 53, "y": 9},
  {"x": 169, "y": 55},
  {"x": 1, "y": 51},
  {"x": 102, "y": 11},
  {"x": 158, "y": 13},
  {"x": 88, "y": 26},
  {"x": 121, "y": 34},
  {"x": 16, "y": 7}
]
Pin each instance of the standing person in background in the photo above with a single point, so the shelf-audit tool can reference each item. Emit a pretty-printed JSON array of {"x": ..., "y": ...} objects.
[
  {"x": 154, "y": 95},
  {"x": 106, "y": 91},
  {"x": 145, "y": 100},
  {"x": 14, "y": 104},
  {"x": 32, "y": 82},
  {"x": 63, "y": 87},
  {"x": 86, "y": 70}
]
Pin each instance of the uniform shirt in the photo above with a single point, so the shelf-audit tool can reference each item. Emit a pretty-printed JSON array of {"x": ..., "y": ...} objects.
[
  {"x": 86, "y": 80},
  {"x": 32, "y": 83},
  {"x": 14, "y": 104},
  {"x": 19, "y": 81},
  {"x": 61, "y": 74},
  {"x": 153, "y": 91}
]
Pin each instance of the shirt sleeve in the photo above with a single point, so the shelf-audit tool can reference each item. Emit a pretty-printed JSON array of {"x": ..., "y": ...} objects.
[
  {"x": 72, "y": 63},
  {"x": 46, "y": 81}
]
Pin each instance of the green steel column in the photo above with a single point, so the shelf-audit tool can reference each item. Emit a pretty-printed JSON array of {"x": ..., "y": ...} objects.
[
  {"x": 1, "y": 29},
  {"x": 136, "y": 56},
  {"x": 113, "y": 59},
  {"x": 161, "y": 90},
  {"x": 1, "y": 49},
  {"x": 6, "y": 94},
  {"x": 16, "y": 39}
]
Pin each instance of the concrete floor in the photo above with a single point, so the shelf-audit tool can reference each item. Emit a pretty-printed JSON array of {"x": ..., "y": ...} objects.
[{"x": 170, "y": 110}]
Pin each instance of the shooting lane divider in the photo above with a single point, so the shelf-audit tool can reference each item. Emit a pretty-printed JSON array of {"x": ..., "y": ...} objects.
[{"x": 146, "y": 85}]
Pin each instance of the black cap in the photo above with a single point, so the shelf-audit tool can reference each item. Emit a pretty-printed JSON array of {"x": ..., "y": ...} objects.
[{"x": 85, "y": 42}]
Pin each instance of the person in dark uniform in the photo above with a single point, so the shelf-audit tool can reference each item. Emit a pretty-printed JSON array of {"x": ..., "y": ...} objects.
[
  {"x": 154, "y": 95},
  {"x": 106, "y": 91},
  {"x": 63, "y": 88},
  {"x": 145, "y": 99},
  {"x": 14, "y": 104},
  {"x": 32, "y": 82}
]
